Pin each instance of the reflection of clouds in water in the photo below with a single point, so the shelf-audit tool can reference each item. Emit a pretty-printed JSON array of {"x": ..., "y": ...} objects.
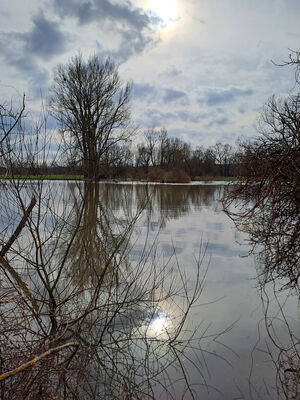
[
  {"x": 180, "y": 232},
  {"x": 161, "y": 326},
  {"x": 215, "y": 226},
  {"x": 223, "y": 250},
  {"x": 169, "y": 249},
  {"x": 233, "y": 278}
]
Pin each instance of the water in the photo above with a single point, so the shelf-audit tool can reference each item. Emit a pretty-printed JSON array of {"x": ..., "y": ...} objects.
[
  {"x": 177, "y": 239},
  {"x": 235, "y": 350}
]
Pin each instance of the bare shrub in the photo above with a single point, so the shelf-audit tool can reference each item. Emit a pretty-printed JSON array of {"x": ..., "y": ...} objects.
[
  {"x": 76, "y": 312},
  {"x": 156, "y": 174},
  {"x": 176, "y": 176}
]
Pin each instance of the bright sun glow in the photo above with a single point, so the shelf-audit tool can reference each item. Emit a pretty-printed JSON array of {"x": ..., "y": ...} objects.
[
  {"x": 165, "y": 9},
  {"x": 159, "y": 327}
]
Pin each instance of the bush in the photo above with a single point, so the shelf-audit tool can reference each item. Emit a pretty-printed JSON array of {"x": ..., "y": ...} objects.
[
  {"x": 176, "y": 176},
  {"x": 156, "y": 174},
  {"x": 204, "y": 178}
]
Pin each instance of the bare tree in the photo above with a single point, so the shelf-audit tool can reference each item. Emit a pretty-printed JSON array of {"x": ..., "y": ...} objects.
[
  {"x": 223, "y": 157},
  {"x": 92, "y": 108},
  {"x": 77, "y": 315},
  {"x": 269, "y": 193}
]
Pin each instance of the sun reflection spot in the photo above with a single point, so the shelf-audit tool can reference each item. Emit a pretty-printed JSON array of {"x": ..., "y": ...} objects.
[{"x": 159, "y": 326}]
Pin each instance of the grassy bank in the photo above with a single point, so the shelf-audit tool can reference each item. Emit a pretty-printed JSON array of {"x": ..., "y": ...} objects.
[
  {"x": 44, "y": 177},
  {"x": 80, "y": 177}
]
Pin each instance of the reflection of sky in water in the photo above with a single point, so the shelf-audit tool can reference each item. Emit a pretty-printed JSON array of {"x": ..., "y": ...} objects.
[
  {"x": 159, "y": 326},
  {"x": 230, "y": 302}
]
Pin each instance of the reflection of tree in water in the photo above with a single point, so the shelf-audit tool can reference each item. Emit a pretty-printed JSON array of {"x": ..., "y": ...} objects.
[
  {"x": 265, "y": 206},
  {"x": 273, "y": 226},
  {"x": 169, "y": 202},
  {"x": 164, "y": 202},
  {"x": 161, "y": 203},
  {"x": 283, "y": 344},
  {"x": 274, "y": 232},
  {"x": 68, "y": 288},
  {"x": 103, "y": 236}
]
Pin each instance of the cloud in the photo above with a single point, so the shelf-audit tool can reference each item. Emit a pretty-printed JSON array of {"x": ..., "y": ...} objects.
[
  {"x": 133, "y": 25},
  {"x": 155, "y": 118},
  {"x": 143, "y": 90},
  {"x": 170, "y": 72},
  {"x": 189, "y": 117},
  {"x": 45, "y": 39},
  {"x": 104, "y": 10},
  {"x": 173, "y": 95},
  {"x": 218, "y": 121},
  {"x": 132, "y": 42},
  {"x": 214, "y": 97},
  {"x": 147, "y": 91}
]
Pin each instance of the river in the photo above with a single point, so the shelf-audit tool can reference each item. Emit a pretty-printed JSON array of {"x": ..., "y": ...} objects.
[{"x": 233, "y": 337}]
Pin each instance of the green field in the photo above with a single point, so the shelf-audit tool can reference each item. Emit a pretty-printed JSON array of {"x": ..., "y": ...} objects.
[
  {"x": 81, "y": 177},
  {"x": 44, "y": 177}
]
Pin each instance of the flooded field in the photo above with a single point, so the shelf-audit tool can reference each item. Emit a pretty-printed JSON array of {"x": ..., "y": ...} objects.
[{"x": 160, "y": 287}]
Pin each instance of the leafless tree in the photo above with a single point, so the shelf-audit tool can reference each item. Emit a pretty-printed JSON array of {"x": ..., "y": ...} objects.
[
  {"x": 267, "y": 199},
  {"x": 223, "y": 157},
  {"x": 92, "y": 107},
  {"x": 76, "y": 316}
]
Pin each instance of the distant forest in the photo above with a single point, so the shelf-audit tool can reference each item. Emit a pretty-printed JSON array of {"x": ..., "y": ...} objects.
[
  {"x": 98, "y": 139},
  {"x": 158, "y": 158}
]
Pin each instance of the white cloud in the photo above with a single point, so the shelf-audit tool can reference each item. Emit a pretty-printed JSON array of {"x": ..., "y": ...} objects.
[{"x": 209, "y": 72}]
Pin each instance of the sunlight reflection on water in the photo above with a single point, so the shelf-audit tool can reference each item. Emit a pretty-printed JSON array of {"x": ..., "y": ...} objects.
[{"x": 160, "y": 326}]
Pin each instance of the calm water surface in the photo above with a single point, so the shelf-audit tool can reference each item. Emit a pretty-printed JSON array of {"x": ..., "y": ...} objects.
[
  {"x": 235, "y": 350},
  {"x": 240, "y": 327}
]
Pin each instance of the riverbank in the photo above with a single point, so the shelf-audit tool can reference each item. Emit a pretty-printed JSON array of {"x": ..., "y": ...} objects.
[{"x": 81, "y": 178}]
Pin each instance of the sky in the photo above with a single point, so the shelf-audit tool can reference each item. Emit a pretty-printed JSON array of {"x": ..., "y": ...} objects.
[{"x": 203, "y": 69}]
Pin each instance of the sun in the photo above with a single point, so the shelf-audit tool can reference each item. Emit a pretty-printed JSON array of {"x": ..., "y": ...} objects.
[{"x": 165, "y": 9}]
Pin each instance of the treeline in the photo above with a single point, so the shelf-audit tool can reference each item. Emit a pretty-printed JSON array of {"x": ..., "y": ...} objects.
[
  {"x": 167, "y": 158},
  {"x": 158, "y": 157},
  {"x": 91, "y": 106}
]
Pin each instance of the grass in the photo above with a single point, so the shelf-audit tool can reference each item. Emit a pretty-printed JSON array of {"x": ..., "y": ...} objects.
[
  {"x": 81, "y": 177},
  {"x": 207, "y": 178},
  {"x": 44, "y": 177}
]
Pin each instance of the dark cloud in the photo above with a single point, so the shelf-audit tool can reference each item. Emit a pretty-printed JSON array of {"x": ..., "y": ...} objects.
[
  {"x": 221, "y": 250},
  {"x": 220, "y": 96},
  {"x": 157, "y": 118},
  {"x": 146, "y": 91},
  {"x": 132, "y": 24},
  {"x": 15, "y": 56},
  {"x": 173, "y": 95},
  {"x": 169, "y": 250},
  {"x": 45, "y": 39},
  {"x": 105, "y": 10},
  {"x": 188, "y": 117},
  {"x": 143, "y": 90},
  {"x": 218, "y": 121},
  {"x": 132, "y": 42}
]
